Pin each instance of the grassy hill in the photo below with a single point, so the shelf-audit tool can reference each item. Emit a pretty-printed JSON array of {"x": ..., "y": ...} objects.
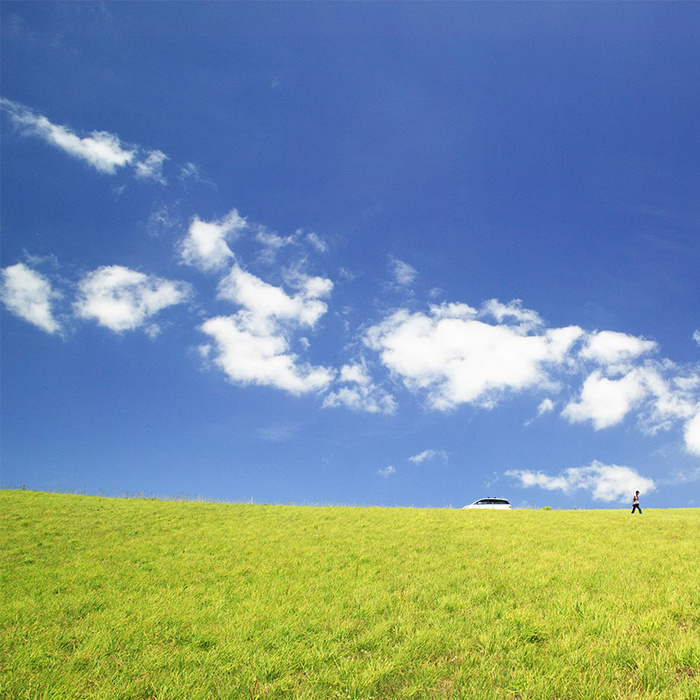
[{"x": 123, "y": 598}]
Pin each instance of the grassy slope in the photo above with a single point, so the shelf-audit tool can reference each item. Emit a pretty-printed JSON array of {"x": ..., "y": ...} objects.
[{"x": 112, "y": 598}]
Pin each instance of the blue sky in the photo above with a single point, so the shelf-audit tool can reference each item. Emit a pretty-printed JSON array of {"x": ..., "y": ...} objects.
[{"x": 400, "y": 254}]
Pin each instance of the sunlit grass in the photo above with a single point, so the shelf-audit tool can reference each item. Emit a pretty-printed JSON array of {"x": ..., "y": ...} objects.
[{"x": 118, "y": 598}]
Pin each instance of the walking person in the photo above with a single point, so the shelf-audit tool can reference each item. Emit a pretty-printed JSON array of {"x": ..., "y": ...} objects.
[{"x": 635, "y": 502}]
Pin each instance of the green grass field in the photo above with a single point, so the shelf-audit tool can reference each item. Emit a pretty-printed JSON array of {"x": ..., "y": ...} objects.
[{"x": 134, "y": 598}]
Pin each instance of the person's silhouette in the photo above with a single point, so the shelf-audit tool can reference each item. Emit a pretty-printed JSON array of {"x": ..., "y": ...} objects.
[{"x": 635, "y": 502}]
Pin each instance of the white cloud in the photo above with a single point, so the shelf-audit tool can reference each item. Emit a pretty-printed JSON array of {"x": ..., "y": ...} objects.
[
  {"x": 605, "y": 482},
  {"x": 28, "y": 294},
  {"x": 692, "y": 433},
  {"x": 102, "y": 150},
  {"x": 457, "y": 359},
  {"x": 122, "y": 299},
  {"x": 359, "y": 393},
  {"x": 428, "y": 456},
  {"x": 606, "y": 402},
  {"x": 659, "y": 394},
  {"x": 254, "y": 345},
  {"x": 546, "y": 406},
  {"x": 404, "y": 274},
  {"x": 673, "y": 398},
  {"x": 267, "y": 301},
  {"x": 205, "y": 245},
  {"x": 387, "y": 472},
  {"x": 610, "y": 347},
  {"x": 453, "y": 355},
  {"x": 151, "y": 168},
  {"x": 453, "y": 310},
  {"x": 253, "y": 350}
]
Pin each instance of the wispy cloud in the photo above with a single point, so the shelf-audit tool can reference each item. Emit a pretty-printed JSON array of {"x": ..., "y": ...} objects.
[
  {"x": 29, "y": 295},
  {"x": 151, "y": 168},
  {"x": 403, "y": 273},
  {"x": 428, "y": 456},
  {"x": 189, "y": 173},
  {"x": 358, "y": 392},
  {"x": 388, "y": 471},
  {"x": 297, "y": 244},
  {"x": 272, "y": 243},
  {"x": 278, "y": 432},
  {"x": 317, "y": 242},
  {"x": 513, "y": 314},
  {"x": 162, "y": 220},
  {"x": 100, "y": 149},
  {"x": 605, "y": 482}
]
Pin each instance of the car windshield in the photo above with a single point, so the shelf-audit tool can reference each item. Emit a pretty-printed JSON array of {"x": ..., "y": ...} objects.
[{"x": 492, "y": 502}]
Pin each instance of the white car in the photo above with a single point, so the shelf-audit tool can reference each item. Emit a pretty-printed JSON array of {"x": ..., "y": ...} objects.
[{"x": 490, "y": 503}]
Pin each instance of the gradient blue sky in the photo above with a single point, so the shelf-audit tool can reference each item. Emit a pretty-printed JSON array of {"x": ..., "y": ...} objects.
[{"x": 352, "y": 253}]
